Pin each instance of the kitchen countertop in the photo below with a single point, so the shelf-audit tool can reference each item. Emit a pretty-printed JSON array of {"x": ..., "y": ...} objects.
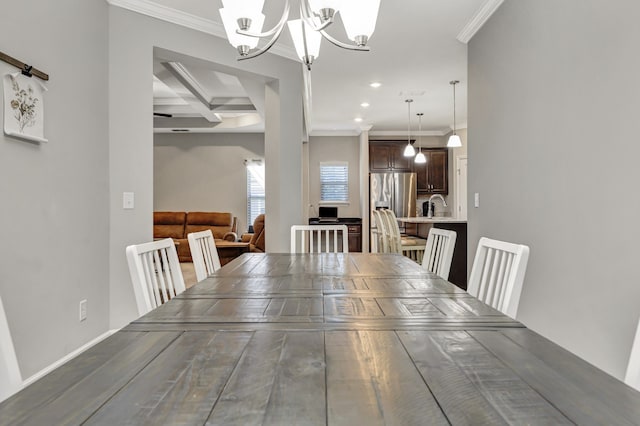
[
  {"x": 340, "y": 221},
  {"x": 436, "y": 219}
]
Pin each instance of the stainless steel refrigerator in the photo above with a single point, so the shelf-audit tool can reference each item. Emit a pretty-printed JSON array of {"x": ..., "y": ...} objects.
[{"x": 395, "y": 191}]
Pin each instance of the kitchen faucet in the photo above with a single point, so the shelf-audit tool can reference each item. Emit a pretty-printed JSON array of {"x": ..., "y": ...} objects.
[{"x": 429, "y": 210}]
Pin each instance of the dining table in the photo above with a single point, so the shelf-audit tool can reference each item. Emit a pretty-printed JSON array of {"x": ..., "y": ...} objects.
[{"x": 325, "y": 339}]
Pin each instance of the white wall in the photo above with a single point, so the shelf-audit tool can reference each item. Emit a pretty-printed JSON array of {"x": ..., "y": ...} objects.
[
  {"x": 551, "y": 93},
  {"x": 335, "y": 148},
  {"x": 131, "y": 138},
  {"x": 54, "y": 218},
  {"x": 204, "y": 172}
]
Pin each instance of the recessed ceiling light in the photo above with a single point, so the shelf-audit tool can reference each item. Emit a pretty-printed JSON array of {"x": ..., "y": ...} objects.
[
  {"x": 364, "y": 104},
  {"x": 375, "y": 85},
  {"x": 358, "y": 120}
]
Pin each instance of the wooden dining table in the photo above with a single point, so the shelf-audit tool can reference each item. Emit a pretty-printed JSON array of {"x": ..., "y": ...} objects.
[{"x": 324, "y": 339}]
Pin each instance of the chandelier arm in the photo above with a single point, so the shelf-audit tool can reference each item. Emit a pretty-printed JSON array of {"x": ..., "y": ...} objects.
[
  {"x": 338, "y": 43},
  {"x": 277, "y": 29},
  {"x": 266, "y": 47}
]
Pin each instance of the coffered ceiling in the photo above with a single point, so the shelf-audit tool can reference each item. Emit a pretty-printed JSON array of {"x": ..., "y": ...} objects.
[{"x": 417, "y": 48}]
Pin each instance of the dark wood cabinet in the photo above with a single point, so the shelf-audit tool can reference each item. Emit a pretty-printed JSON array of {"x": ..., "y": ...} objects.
[
  {"x": 433, "y": 176},
  {"x": 387, "y": 156},
  {"x": 355, "y": 238}
]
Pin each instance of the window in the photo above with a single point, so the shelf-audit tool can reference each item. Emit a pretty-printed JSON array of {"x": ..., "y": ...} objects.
[
  {"x": 334, "y": 182},
  {"x": 255, "y": 190}
]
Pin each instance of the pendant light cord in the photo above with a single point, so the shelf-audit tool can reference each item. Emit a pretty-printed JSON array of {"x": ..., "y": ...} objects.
[
  {"x": 453, "y": 83},
  {"x": 409, "y": 122},
  {"x": 420, "y": 131}
]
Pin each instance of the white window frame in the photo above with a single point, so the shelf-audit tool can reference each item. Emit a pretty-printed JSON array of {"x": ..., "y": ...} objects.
[{"x": 345, "y": 165}]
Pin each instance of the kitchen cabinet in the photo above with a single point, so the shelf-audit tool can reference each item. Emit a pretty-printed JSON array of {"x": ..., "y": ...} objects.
[
  {"x": 386, "y": 156},
  {"x": 355, "y": 238},
  {"x": 433, "y": 176}
]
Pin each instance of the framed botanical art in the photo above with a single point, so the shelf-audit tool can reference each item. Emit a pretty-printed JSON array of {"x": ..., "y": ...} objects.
[{"x": 24, "y": 107}]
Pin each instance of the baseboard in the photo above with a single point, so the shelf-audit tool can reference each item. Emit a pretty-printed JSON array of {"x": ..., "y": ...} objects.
[{"x": 66, "y": 358}]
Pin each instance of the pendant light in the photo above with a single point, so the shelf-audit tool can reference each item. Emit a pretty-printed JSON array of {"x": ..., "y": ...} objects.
[
  {"x": 409, "y": 150},
  {"x": 454, "y": 140},
  {"x": 420, "y": 157}
]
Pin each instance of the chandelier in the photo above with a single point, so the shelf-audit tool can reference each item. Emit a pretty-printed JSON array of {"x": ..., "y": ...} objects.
[{"x": 243, "y": 21}]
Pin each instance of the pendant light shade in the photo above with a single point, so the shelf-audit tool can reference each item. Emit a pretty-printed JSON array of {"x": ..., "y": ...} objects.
[
  {"x": 359, "y": 18},
  {"x": 420, "y": 157},
  {"x": 242, "y": 42},
  {"x": 409, "y": 150},
  {"x": 454, "y": 140},
  {"x": 305, "y": 40}
]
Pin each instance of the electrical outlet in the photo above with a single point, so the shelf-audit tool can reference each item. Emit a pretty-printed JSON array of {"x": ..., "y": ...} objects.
[{"x": 83, "y": 310}]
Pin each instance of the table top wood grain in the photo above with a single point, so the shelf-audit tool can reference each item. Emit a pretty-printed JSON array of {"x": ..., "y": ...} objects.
[{"x": 321, "y": 339}]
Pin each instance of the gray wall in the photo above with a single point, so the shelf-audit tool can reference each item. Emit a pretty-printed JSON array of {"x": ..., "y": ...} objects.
[
  {"x": 551, "y": 93},
  {"x": 335, "y": 148},
  {"x": 131, "y": 138},
  {"x": 54, "y": 216},
  {"x": 204, "y": 172}
]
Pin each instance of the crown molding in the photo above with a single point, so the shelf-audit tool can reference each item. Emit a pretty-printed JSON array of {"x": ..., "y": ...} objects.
[
  {"x": 478, "y": 20},
  {"x": 343, "y": 132},
  {"x": 404, "y": 133},
  {"x": 187, "y": 20}
]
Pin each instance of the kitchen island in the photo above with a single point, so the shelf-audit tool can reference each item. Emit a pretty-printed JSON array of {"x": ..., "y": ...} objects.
[{"x": 420, "y": 226}]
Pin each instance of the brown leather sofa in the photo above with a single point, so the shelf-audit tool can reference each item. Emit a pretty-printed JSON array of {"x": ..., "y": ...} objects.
[
  {"x": 256, "y": 240},
  {"x": 177, "y": 225}
]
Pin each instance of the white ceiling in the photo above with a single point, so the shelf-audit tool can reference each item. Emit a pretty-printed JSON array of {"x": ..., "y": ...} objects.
[{"x": 415, "y": 52}]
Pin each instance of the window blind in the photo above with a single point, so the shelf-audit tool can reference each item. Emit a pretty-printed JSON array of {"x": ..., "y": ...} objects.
[
  {"x": 334, "y": 181},
  {"x": 255, "y": 192}
]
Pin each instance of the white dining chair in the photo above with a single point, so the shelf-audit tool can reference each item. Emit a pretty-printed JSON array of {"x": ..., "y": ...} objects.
[
  {"x": 10, "y": 377},
  {"x": 498, "y": 273},
  {"x": 632, "y": 376},
  {"x": 381, "y": 241},
  {"x": 204, "y": 253},
  {"x": 155, "y": 273},
  {"x": 319, "y": 239},
  {"x": 409, "y": 246},
  {"x": 438, "y": 252}
]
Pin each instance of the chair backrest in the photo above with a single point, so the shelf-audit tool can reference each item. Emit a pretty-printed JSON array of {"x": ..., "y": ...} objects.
[
  {"x": 439, "y": 251},
  {"x": 319, "y": 239},
  {"x": 497, "y": 274},
  {"x": 392, "y": 229},
  {"x": 381, "y": 241},
  {"x": 632, "y": 377},
  {"x": 204, "y": 253},
  {"x": 10, "y": 377},
  {"x": 155, "y": 273}
]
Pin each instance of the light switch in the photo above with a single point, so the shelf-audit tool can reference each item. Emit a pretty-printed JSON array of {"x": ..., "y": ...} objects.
[
  {"x": 127, "y": 200},
  {"x": 476, "y": 200}
]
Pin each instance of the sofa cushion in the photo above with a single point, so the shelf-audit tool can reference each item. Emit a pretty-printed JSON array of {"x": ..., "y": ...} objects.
[
  {"x": 169, "y": 224},
  {"x": 258, "y": 239},
  {"x": 218, "y": 223}
]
